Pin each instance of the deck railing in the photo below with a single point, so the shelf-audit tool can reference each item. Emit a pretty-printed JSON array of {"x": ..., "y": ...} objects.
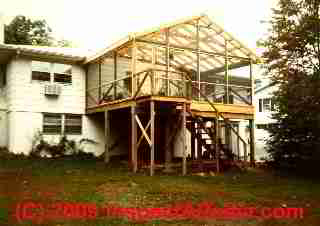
[{"x": 162, "y": 83}]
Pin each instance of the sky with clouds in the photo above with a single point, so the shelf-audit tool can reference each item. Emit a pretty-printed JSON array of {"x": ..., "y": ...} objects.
[{"x": 95, "y": 24}]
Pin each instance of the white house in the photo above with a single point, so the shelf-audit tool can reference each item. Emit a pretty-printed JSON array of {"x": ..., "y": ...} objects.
[
  {"x": 265, "y": 107},
  {"x": 62, "y": 90}
]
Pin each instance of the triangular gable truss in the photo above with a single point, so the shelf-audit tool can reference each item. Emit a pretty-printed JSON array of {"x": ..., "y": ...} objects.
[{"x": 186, "y": 38}]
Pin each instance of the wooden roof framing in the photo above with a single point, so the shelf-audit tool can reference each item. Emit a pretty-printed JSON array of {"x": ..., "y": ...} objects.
[{"x": 190, "y": 36}]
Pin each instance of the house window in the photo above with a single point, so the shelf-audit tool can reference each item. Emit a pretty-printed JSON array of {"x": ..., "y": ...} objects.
[
  {"x": 52, "y": 123},
  {"x": 73, "y": 124},
  {"x": 40, "y": 71},
  {"x": 68, "y": 124},
  {"x": 266, "y": 105},
  {"x": 62, "y": 73},
  {"x": 46, "y": 72}
]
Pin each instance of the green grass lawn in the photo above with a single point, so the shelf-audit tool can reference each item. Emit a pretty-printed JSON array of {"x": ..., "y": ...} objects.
[{"x": 90, "y": 181}]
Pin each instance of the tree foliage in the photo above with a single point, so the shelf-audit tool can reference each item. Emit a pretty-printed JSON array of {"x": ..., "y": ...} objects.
[
  {"x": 293, "y": 60},
  {"x": 24, "y": 31}
]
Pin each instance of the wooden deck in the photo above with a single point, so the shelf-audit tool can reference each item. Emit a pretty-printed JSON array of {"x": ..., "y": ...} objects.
[{"x": 198, "y": 108}]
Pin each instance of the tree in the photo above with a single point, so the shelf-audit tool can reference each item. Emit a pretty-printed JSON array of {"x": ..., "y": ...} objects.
[
  {"x": 293, "y": 60},
  {"x": 22, "y": 30}
]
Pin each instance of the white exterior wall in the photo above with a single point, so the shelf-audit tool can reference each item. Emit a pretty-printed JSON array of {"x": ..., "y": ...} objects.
[
  {"x": 27, "y": 103},
  {"x": 262, "y": 135}
]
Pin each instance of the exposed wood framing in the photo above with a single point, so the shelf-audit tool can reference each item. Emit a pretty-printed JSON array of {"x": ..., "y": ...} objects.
[
  {"x": 115, "y": 64},
  {"x": 198, "y": 59},
  {"x": 238, "y": 142},
  {"x": 134, "y": 154},
  {"x": 143, "y": 130},
  {"x": 133, "y": 67},
  {"x": 107, "y": 136},
  {"x": 184, "y": 158},
  {"x": 167, "y": 60},
  {"x": 193, "y": 139},
  {"x": 252, "y": 142},
  {"x": 152, "y": 117},
  {"x": 252, "y": 84},
  {"x": 240, "y": 97},
  {"x": 99, "y": 92},
  {"x": 217, "y": 140},
  {"x": 226, "y": 73}
]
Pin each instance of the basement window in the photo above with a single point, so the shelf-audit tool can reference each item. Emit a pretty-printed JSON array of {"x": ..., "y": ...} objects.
[
  {"x": 73, "y": 124},
  {"x": 52, "y": 123},
  {"x": 69, "y": 124}
]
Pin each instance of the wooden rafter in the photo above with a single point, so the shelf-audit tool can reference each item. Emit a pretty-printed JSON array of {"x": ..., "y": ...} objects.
[{"x": 205, "y": 59}]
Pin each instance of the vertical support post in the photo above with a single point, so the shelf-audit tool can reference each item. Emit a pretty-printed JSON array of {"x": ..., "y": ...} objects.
[
  {"x": 152, "y": 114},
  {"x": 133, "y": 67},
  {"x": 184, "y": 158},
  {"x": 115, "y": 74},
  {"x": 107, "y": 135},
  {"x": 226, "y": 72},
  {"x": 167, "y": 61},
  {"x": 199, "y": 145},
  {"x": 168, "y": 149},
  {"x": 193, "y": 139},
  {"x": 134, "y": 139},
  {"x": 238, "y": 141},
  {"x": 252, "y": 142},
  {"x": 252, "y": 83},
  {"x": 198, "y": 59},
  {"x": 227, "y": 134},
  {"x": 217, "y": 148},
  {"x": 99, "y": 91},
  {"x": 245, "y": 153},
  {"x": 153, "y": 70}
]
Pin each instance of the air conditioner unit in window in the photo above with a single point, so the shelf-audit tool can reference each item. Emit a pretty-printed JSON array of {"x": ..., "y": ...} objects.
[{"x": 52, "y": 90}]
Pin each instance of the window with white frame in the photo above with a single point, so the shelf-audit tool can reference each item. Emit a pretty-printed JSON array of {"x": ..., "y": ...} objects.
[
  {"x": 266, "y": 105},
  {"x": 51, "y": 72},
  {"x": 68, "y": 124},
  {"x": 52, "y": 123}
]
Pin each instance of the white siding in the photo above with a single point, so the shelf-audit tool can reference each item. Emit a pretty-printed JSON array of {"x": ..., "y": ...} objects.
[
  {"x": 26, "y": 95},
  {"x": 27, "y": 102}
]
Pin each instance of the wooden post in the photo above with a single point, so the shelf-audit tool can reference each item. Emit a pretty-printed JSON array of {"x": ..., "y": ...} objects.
[
  {"x": 107, "y": 136},
  {"x": 133, "y": 67},
  {"x": 184, "y": 158},
  {"x": 252, "y": 84},
  {"x": 245, "y": 153},
  {"x": 226, "y": 72},
  {"x": 100, "y": 92},
  {"x": 193, "y": 139},
  {"x": 252, "y": 143},
  {"x": 115, "y": 74},
  {"x": 199, "y": 145},
  {"x": 134, "y": 139},
  {"x": 238, "y": 142},
  {"x": 153, "y": 70},
  {"x": 152, "y": 116},
  {"x": 198, "y": 59},
  {"x": 168, "y": 150},
  {"x": 217, "y": 148},
  {"x": 227, "y": 133},
  {"x": 167, "y": 62}
]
